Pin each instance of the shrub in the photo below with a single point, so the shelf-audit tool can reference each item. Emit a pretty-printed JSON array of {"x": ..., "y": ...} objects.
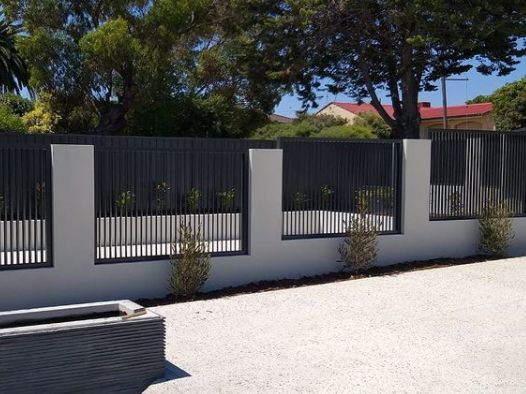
[
  {"x": 226, "y": 199},
  {"x": 124, "y": 200},
  {"x": 17, "y": 104},
  {"x": 42, "y": 119},
  {"x": 326, "y": 195},
  {"x": 359, "y": 249},
  {"x": 496, "y": 232},
  {"x": 192, "y": 200},
  {"x": 298, "y": 200},
  {"x": 10, "y": 121},
  {"x": 346, "y": 131},
  {"x": 191, "y": 266},
  {"x": 161, "y": 190}
]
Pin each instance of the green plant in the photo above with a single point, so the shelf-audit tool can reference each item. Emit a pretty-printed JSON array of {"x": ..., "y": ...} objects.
[
  {"x": 226, "y": 198},
  {"x": 359, "y": 249},
  {"x": 192, "y": 199},
  {"x": 189, "y": 269},
  {"x": 496, "y": 231},
  {"x": 298, "y": 200},
  {"x": 455, "y": 203},
  {"x": 17, "y": 104},
  {"x": 10, "y": 121},
  {"x": 124, "y": 200},
  {"x": 161, "y": 192},
  {"x": 326, "y": 194}
]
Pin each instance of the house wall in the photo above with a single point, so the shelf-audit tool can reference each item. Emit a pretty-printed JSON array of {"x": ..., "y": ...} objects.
[
  {"x": 74, "y": 276},
  {"x": 482, "y": 122},
  {"x": 334, "y": 110}
]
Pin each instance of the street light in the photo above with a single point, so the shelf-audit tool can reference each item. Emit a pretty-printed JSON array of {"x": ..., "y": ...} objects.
[{"x": 444, "y": 97}]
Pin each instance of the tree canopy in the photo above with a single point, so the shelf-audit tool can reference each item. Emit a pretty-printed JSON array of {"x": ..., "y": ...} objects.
[
  {"x": 363, "y": 46},
  {"x": 13, "y": 72},
  {"x": 151, "y": 67},
  {"x": 509, "y": 105}
]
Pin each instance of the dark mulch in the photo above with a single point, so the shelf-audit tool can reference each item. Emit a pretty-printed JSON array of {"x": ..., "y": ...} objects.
[{"x": 262, "y": 286}]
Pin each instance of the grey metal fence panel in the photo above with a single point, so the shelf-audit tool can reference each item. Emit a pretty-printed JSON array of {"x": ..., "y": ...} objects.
[
  {"x": 25, "y": 208},
  {"x": 472, "y": 169},
  {"x": 323, "y": 178},
  {"x": 136, "y": 142},
  {"x": 144, "y": 196}
]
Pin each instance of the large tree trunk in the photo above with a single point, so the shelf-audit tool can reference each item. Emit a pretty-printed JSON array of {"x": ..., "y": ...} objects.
[{"x": 113, "y": 118}]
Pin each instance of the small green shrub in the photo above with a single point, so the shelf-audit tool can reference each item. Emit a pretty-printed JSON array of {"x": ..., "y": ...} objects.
[
  {"x": 496, "y": 231},
  {"x": 191, "y": 266},
  {"x": 16, "y": 103},
  {"x": 226, "y": 199},
  {"x": 326, "y": 194},
  {"x": 124, "y": 201},
  {"x": 298, "y": 200},
  {"x": 193, "y": 198},
  {"x": 359, "y": 249},
  {"x": 10, "y": 121},
  {"x": 161, "y": 190}
]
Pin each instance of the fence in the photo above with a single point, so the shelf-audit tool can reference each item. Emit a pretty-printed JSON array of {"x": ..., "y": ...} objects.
[
  {"x": 143, "y": 197},
  {"x": 25, "y": 207},
  {"x": 471, "y": 170},
  {"x": 323, "y": 180},
  {"x": 135, "y": 142}
]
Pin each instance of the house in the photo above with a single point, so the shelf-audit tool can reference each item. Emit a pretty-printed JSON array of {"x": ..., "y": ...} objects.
[
  {"x": 275, "y": 118},
  {"x": 467, "y": 116}
]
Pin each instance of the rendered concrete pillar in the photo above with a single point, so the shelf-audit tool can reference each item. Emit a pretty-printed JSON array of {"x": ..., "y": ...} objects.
[
  {"x": 73, "y": 209},
  {"x": 265, "y": 199},
  {"x": 416, "y": 178}
]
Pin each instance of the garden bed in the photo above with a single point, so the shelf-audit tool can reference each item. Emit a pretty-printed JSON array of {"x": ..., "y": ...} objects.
[{"x": 263, "y": 286}]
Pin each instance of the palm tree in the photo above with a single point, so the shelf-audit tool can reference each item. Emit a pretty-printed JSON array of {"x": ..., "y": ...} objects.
[{"x": 13, "y": 72}]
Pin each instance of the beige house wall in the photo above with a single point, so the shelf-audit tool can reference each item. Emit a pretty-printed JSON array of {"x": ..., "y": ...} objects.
[{"x": 334, "y": 110}]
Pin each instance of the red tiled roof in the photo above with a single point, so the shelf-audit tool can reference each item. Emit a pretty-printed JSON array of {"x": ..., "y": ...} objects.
[{"x": 425, "y": 112}]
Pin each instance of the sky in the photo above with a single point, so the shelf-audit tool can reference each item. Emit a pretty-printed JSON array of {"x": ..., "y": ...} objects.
[{"x": 457, "y": 91}]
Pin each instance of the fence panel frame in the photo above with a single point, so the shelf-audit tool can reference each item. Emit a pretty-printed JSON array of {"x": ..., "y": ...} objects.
[
  {"x": 396, "y": 178},
  {"x": 46, "y": 231},
  {"x": 239, "y": 154},
  {"x": 479, "y": 165}
]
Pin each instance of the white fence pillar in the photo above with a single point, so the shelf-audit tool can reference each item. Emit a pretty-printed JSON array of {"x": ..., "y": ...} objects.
[
  {"x": 73, "y": 209},
  {"x": 416, "y": 178},
  {"x": 265, "y": 197}
]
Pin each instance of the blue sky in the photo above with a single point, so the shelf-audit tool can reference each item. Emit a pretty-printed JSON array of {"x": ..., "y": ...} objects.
[{"x": 457, "y": 91}]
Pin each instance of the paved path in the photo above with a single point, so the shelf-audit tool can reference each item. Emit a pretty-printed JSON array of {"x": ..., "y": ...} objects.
[{"x": 457, "y": 329}]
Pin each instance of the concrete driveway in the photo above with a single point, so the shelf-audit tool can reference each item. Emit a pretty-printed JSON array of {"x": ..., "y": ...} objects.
[{"x": 456, "y": 329}]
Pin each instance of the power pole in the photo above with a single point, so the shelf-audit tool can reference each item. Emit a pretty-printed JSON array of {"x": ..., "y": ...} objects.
[
  {"x": 444, "y": 97},
  {"x": 444, "y": 103}
]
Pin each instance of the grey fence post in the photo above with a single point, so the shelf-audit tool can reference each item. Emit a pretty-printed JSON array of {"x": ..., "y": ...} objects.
[{"x": 73, "y": 209}]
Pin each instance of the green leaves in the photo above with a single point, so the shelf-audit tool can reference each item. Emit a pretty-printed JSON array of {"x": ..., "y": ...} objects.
[{"x": 110, "y": 47}]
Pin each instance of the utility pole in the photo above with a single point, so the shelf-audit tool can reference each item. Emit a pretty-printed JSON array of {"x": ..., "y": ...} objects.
[
  {"x": 444, "y": 103},
  {"x": 444, "y": 97}
]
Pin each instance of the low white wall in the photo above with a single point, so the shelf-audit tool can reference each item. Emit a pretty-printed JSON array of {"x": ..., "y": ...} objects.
[
  {"x": 164, "y": 228},
  {"x": 75, "y": 278}
]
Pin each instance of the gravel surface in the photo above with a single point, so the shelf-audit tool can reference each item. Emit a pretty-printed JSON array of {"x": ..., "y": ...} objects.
[{"x": 454, "y": 329}]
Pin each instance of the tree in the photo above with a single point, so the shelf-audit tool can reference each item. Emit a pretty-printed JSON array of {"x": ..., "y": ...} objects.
[
  {"x": 317, "y": 126},
  {"x": 13, "y": 72},
  {"x": 509, "y": 106},
  {"x": 363, "y": 46},
  {"x": 135, "y": 66}
]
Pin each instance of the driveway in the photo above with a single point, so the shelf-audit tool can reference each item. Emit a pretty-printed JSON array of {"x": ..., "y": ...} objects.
[{"x": 455, "y": 329}]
